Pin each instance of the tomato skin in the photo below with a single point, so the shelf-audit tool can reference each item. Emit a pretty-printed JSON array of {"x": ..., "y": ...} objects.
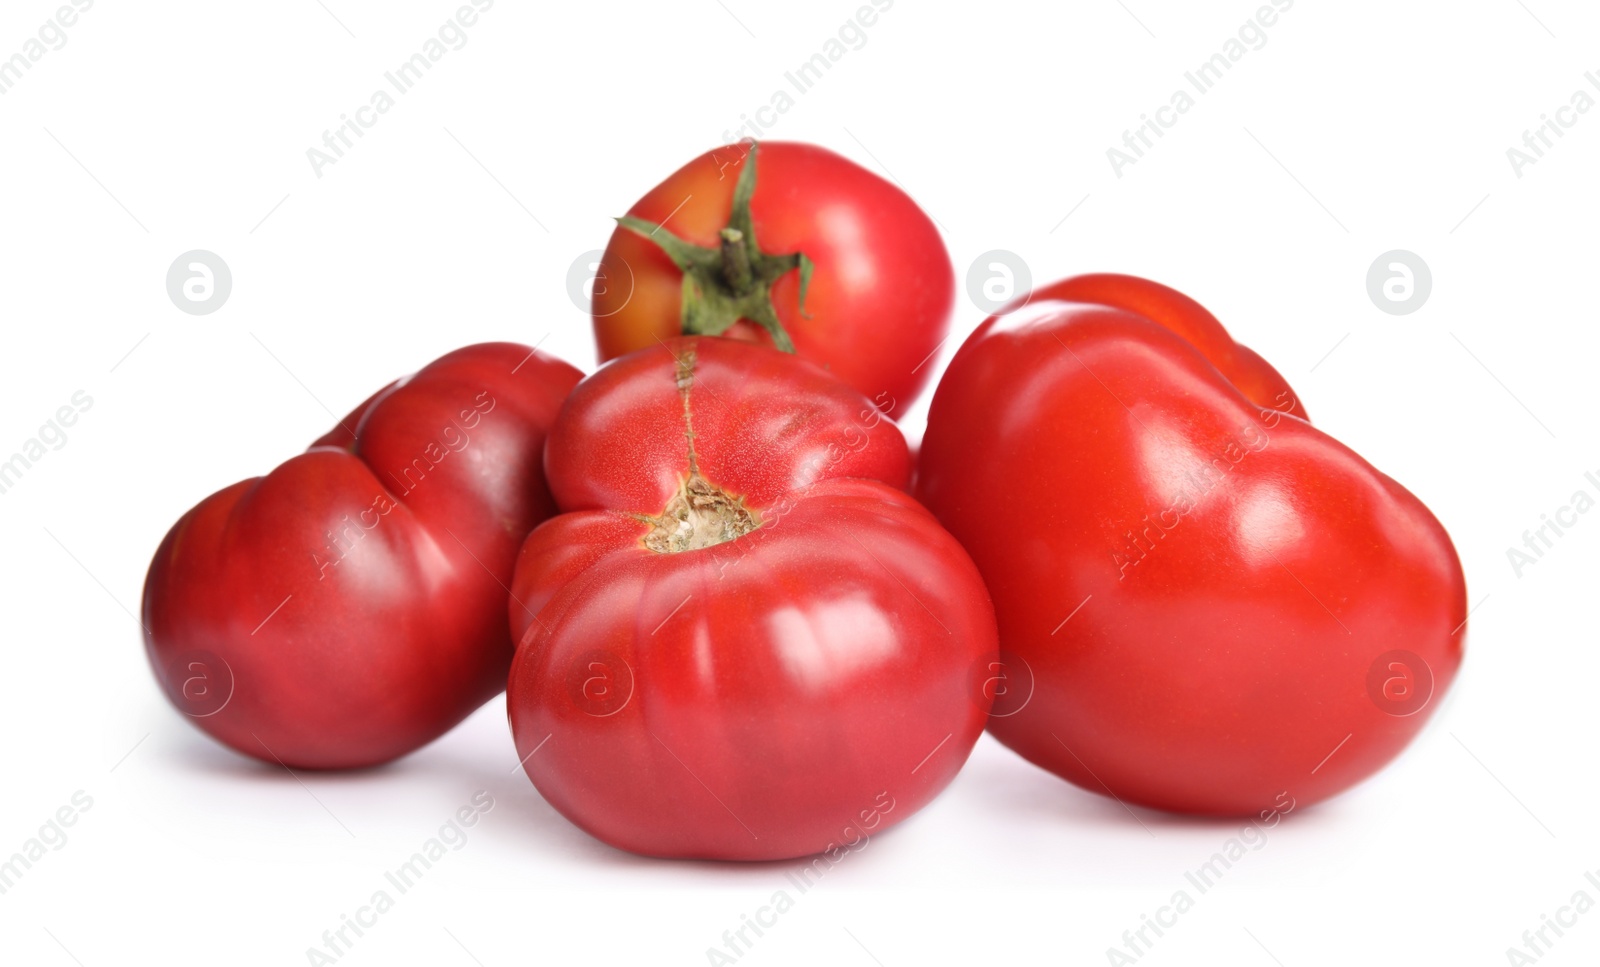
[
  {"x": 1166, "y": 306},
  {"x": 1200, "y": 591},
  {"x": 767, "y": 426},
  {"x": 348, "y": 607},
  {"x": 878, "y": 305},
  {"x": 787, "y": 692}
]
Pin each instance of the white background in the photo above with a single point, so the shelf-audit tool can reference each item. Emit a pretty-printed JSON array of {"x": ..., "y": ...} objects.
[{"x": 1359, "y": 127}]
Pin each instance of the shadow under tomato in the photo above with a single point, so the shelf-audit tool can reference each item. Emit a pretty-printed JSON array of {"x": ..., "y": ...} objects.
[
  {"x": 191, "y": 750},
  {"x": 1011, "y": 784}
]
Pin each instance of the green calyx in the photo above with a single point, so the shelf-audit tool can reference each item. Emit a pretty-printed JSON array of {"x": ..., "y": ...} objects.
[{"x": 734, "y": 280}]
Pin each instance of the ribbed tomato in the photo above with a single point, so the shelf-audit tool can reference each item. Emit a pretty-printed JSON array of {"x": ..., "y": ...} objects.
[
  {"x": 348, "y": 607},
  {"x": 741, "y": 640},
  {"x": 1206, "y": 604}
]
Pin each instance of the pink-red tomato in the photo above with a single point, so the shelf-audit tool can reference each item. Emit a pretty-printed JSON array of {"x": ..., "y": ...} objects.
[
  {"x": 348, "y": 607},
  {"x": 741, "y": 640}
]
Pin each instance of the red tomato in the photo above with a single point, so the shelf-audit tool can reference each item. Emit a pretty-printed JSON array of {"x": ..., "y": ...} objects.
[
  {"x": 1239, "y": 365},
  {"x": 349, "y": 607},
  {"x": 1207, "y": 605},
  {"x": 741, "y": 640},
  {"x": 875, "y": 308}
]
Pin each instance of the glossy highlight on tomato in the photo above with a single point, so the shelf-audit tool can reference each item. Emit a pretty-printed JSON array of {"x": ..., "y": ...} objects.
[
  {"x": 741, "y": 639},
  {"x": 1207, "y": 603},
  {"x": 348, "y": 607},
  {"x": 821, "y": 251}
]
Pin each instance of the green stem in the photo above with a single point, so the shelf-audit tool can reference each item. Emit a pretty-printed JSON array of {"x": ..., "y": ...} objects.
[
  {"x": 736, "y": 262},
  {"x": 732, "y": 280}
]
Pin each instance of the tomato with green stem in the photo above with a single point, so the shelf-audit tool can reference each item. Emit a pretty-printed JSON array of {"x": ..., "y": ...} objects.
[{"x": 789, "y": 245}]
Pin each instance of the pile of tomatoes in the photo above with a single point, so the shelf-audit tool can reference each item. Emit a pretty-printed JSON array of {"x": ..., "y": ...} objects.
[{"x": 728, "y": 623}]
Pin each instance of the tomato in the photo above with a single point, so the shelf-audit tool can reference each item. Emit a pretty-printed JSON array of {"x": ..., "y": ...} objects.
[
  {"x": 814, "y": 248},
  {"x": 741, "y": 640},
  {"x": 1207, "y": 605},
  {"x": 1239, "y": 365},
  {"x": 348, "y": 607}
]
